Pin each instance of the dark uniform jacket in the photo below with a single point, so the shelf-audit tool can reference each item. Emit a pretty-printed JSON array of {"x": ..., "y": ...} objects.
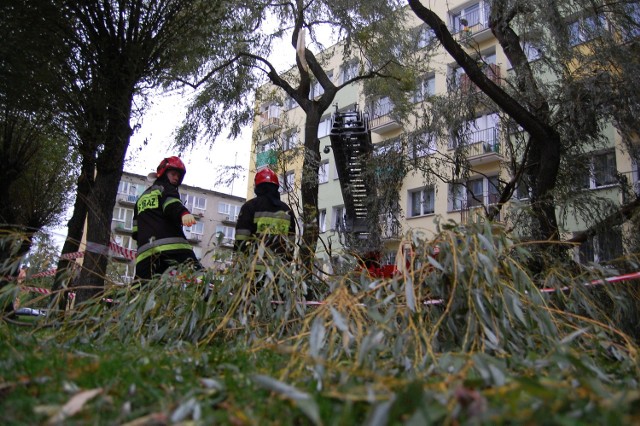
[
  {"x": 157, "y": 221},
  {"x": 267, "y": 218}
]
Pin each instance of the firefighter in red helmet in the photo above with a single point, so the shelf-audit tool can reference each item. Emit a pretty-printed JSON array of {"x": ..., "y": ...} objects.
[
  {"x": 266, "y": 218},
  {"x": 158, "y": 219}
]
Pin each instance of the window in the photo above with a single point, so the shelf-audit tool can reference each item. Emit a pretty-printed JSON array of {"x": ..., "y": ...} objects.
[
  {"x": 457, "y": 76},
  {"x": 388, "y": 146},
  {"x": 471, "y": 18},
  {"x": 127, "y": 188},
  {"x": 324, "y": 128},
  {"x": 631, "y": 26},
  {"x": 231, "y": 210},
  {"x": 268, "y": 112},
  {"x": 484, "y": 129},
  {"x": 125, "y": 241},
  {"x": 474, "y": 193},
  {"x": 197, "y": 228},
  {"x": 123, "y": 218},
  {"x": 348, "y": 71},
  {"x": 193, "y": 202},
  {"x": 287, "y": 183},
  {"x": 227, "y": 233},
  {"x": 322, "y": 220},
  {"x": 425, "y": 35},
  {"x": 422, "y": 145},
  {"x": 381, "y": 107},
  {"x": 317, "y": 89},
  {"x": 323, "y": 172},
  {"x": 422, "y": 201},
  {"x": 493, "y": 190},
  {"x": 290, "y": 140},
  {"x": 604, "y": 246},
  {"x": 289, "y": 103},
  {"x": 338, "y": 218},
  {"x": 477, "y": 192},
  {"x": 531, "y": 52},
  {"x": 584, "y": 29},
  {"x": 456, "y": 196},
  {"x": 269, "y": 145},
  {"x": 602, "y": 171},
  {"x": 426, "y": 87}
]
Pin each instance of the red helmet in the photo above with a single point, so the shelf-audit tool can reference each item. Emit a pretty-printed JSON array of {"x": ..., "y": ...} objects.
[
  {"x": 266, "y": 176},
  {"x": 171, "y": 163}
]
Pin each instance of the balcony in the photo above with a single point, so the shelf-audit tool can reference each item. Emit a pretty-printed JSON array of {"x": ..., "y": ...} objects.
[
  {"x": 473, "y": 26},
  {"x": 194, "y": 238},
  {"x": 127, "y": 199},
  {"x": 197, "y": 212},
  {"x": 382, "y": 121},
  {"x": 482, "y": 146},
  {"x": 231, "y": 219},
  {"x": 267, "y": 158},
  {"x": 492, "y": 71},
  {"x": 123, "y": 228},
  {"x": 269, "y": 122},
  {"x": 473, "y": 210}
]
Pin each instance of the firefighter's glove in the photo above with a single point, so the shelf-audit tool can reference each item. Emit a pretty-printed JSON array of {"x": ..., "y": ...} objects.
[{"x": 188, "y": 220}]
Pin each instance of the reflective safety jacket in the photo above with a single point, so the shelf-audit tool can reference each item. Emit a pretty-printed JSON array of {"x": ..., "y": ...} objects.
[
  {"x": 157, "y": 220},
  {"x": 260, "y": 219}
]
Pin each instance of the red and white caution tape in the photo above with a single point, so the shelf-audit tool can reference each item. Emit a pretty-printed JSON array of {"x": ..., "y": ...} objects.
[
  {"x": 619, "y": 278},
  {"x": 124, "y": 252}
]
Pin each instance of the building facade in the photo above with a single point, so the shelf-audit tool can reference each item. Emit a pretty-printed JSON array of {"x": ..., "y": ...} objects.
[
  {"x": 212, "y": 236},
  {"x": 279, "y": 144}
]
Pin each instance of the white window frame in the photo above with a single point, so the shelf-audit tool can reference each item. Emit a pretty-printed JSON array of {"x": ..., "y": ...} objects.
[
  {"x": 348, "y": 70},
  {"x": 323, "y": 172},
  {"x": 584, "y": 29},
  {"x": 422, "y": 145},
  {"x": 476, "y": 13},
  {"x": 228, "y": 233},
  {"x": 459, "y": 197},
  {"x": 324, "y": 127},
  {"x": 425, "y": 35},
  {"x": 290, "y": 140},
  {"x": 197, "y": 229},
  {"x": 127, "y": 188},
  {"x": 425, "y": 87},
  {"x": 337, "y": 217},
  {"x": 609, "y": 172},
  {"x": 289, "y": 103},
  {"x": 381, "y": 107},
  {"x": 287, "y": 182},
  {"x": 425, "y": 197},
  {"x": 125, "y": 216},
  {"x": 322, "y": 220}
]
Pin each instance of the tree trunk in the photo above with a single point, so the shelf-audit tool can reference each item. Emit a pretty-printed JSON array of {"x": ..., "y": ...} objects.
[
  {"x": 309, "y": 188},
  {"x": 102, "y": 198},
  {"x": 75, "y": 228}
]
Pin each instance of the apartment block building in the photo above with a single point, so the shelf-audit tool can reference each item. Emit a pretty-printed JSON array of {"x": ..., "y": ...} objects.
[
  {"x": 211, "y": 237},
  {"x": 279, "y": 142}
]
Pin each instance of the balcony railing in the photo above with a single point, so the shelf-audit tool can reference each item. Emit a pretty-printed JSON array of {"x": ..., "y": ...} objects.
[
  {"x": 492, "y": 71},
  {"x": 484, "y": 141},
  {"x": 127, "y": 198},
  {"x": 471, "y": 207},
  {"x": 123, "y": 227},
  {"x": 464, "y": 28},
  {"x": 267, "y": 158},
  {"x": 269, "y": 121},
  {"x": 195, "y": 237},
  {"x": 382, "y": 120}
]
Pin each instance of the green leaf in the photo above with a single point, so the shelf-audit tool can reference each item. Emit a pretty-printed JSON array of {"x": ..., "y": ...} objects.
[{"x": 303, "y": 400}]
